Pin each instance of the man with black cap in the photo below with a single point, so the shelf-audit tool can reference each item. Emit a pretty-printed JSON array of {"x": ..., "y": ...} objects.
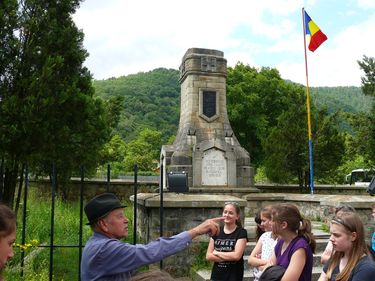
[{"x": 105, "y": 257}]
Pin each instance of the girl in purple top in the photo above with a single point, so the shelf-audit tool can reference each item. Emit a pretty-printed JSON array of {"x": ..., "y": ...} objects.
[{"x": 296, "y": 244}]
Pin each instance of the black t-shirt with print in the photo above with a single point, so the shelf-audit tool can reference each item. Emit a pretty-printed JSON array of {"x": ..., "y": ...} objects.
[{"x": 228, "y": 270}]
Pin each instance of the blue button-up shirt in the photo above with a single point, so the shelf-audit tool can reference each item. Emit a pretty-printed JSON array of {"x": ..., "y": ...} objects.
[{"x": 109, "y": 259}]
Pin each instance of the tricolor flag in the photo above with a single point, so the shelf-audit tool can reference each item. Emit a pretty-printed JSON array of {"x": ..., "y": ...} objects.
[{"x": 317, "y": 37}]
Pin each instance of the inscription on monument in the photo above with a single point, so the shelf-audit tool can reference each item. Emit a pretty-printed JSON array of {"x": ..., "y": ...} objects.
[
  {"x": 214, "y": 168},
  {"x": 209, "y": 103}
]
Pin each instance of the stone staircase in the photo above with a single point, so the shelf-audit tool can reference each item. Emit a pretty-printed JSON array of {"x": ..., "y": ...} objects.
[{"x": 321, "y": 242}]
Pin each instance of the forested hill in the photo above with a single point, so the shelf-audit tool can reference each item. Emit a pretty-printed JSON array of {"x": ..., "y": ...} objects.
[
  {"x": 348, "y": 99},
  {"x": 152, "y": 99}
]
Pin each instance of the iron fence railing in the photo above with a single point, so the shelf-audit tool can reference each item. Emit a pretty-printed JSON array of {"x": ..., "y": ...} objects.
[{"x": 80, "y": 245}]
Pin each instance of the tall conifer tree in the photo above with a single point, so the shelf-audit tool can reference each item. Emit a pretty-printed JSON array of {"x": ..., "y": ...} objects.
[{"x": 47, "y": 114}]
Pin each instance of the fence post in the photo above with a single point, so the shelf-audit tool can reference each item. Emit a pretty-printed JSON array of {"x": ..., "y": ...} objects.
[
  {"x": 80, "y": 221},
  {"x": 108, "y": 176},
  {"x": 24, "y": 214},
  {"x": 53, "y": 194},
  {"x": 135, "y": 204},
  {"x": 2, "y": 174},
  {"x": 161, "y": 206}
]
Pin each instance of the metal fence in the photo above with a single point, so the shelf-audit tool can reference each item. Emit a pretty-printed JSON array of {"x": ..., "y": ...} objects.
[{"x": 80, "y": 245}]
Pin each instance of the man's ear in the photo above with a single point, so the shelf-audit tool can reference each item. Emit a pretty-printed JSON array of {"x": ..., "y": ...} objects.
[{"x": 103, "y": 225}]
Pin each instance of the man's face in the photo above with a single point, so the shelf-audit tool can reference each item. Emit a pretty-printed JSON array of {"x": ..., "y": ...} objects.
[
  {"x": 6, "y": 248},
  {"x": 116, "y": 224}
]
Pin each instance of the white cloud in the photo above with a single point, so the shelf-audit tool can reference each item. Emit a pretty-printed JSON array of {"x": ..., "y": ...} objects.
[
  {"x": 340, "y": 58},
  {"x": 125, "y": 37},
  {"x": 366, "y": 3}
]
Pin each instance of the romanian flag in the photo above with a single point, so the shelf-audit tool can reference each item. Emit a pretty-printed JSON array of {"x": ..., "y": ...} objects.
[{"x": 317, "y": 37}]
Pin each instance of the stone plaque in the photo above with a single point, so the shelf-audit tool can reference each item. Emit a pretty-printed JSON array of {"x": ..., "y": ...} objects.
[
  {"x": 209, "y": 103},
  {"x": 208, "y": 64},
  {"x": 214, "y": 168}
]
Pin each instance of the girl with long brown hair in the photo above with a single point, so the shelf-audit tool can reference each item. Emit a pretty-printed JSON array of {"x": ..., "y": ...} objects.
[
  {"x": 227, "y": 248},
  {"x": 349, "y": 260},
  {"x": 296, "y": 243}
]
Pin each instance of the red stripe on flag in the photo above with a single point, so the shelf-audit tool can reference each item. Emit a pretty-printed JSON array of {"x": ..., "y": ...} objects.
[{"x": 316, "y": 40}]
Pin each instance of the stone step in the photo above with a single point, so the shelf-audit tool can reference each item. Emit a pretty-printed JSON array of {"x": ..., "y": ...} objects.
[{"x": 204, "y": 274}]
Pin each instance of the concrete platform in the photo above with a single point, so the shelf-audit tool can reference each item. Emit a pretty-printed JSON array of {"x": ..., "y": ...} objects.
[{"x": 357, "y": 201}]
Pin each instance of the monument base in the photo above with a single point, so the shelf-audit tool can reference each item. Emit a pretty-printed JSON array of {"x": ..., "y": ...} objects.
[{"x": 180, "y": 212}]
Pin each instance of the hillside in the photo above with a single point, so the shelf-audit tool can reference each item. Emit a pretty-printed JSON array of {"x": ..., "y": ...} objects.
[
  {"x": 347, "y": 99},
  {"x": 152, "y": 99}
]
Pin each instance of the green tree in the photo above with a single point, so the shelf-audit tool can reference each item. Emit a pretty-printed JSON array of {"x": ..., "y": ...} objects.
[
  {"x": 48, "y": 113},
  {"x": 151, "y": 100},
  {"x": 255, "y": 99},
  {"x": 286, "y": 151},
  {"x": 368, "y": 87},
  {"x": 328, "y": 148},
  {"x": 144, "y": 151},
  {"x": 286, "y": 148},
  {"x": 368, "y": 81}
]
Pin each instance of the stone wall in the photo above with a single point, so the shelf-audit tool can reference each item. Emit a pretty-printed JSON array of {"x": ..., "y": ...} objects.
[
  {"x": 181, "y": 212},
  {"x": 316, "y": 207},
  {"x": 124, "y": 188},
  {"x": 71, "y": 190}
]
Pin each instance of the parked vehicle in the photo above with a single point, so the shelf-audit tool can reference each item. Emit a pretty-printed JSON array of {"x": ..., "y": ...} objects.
[{"x": 360, "y": 177}]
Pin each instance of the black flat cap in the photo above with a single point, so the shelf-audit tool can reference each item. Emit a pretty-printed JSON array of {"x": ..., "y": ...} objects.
[{"x": 101, "y": 205}]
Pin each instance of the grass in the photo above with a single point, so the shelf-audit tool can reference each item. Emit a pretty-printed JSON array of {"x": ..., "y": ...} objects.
[
  {"x": 66, "y": 233},
  {"x": 325, "y": 227},
  {"x": 38, "y": 233},
  {"x": 200, "y": 261}
]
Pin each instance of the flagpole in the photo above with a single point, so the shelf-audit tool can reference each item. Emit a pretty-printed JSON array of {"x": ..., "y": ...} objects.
[{"x": 308, "y": 108}]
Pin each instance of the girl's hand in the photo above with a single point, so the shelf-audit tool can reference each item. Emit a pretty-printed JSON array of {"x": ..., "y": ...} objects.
[{"x": 268, "y": 264}]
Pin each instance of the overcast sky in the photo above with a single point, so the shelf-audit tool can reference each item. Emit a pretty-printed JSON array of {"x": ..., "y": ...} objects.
[{"x": 129, "y": 36}]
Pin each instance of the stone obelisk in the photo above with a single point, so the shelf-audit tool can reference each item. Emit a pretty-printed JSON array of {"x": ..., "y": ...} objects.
[{"x": 206, "y": 147}]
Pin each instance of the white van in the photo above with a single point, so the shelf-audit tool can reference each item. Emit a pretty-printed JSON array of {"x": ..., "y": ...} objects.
[{"x": 360, "y": 177}]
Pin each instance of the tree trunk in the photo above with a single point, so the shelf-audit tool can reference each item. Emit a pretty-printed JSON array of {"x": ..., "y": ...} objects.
[
  {"x": 19, "y": 192},
  {"x": 1, "y": 177},
  {"x": 10, "y": 183}
]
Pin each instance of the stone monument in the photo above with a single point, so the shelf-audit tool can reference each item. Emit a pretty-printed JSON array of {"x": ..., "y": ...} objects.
[{"x": 206, "y": 147}]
